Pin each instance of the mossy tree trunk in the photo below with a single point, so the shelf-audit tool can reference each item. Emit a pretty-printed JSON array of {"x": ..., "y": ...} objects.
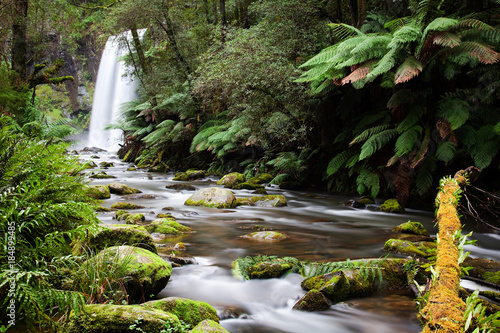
[
  {"x": 19, "y": 40},
  {"x": 444, "y": 311}
]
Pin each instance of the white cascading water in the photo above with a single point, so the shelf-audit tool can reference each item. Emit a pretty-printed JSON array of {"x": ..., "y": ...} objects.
[{"x": 113, "y": 88}]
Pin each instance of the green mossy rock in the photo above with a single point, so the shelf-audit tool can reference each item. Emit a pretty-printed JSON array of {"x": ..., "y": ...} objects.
[
  {"x": 100, "y": 175},
  {"x": 422, "y": 249},
  {"x": 118, "y": 234},
  {"x": 391, "y": 206},
  {"x": 121, "y": 215},
  {"x": 189, "y": 175},
  {"x": 334, "y": 285},
  {"x": 263, "y": 178},
  {"x": 367, "y": 200},
  {"x": 145, "y": 273},
  {"x": 266, "y": 236},
  {"x": 484, "y": 269},
  {"x": 247, "y": 186},
  {"x": 263, "y": 201},
  {"x": 212, "y": 197},
  {"x": 262, "y": 267},
  {"x": 231, "y": 179},
  {"x": 159, "y": 168},
  {"x": 189, "y": 311},
  {"x": 181, "y": 187},
  {"x": 168, "y": 226},
  {"x": 119, "y": 188},
  {"x": 108, "y": 318},
  {"x": 99, "y": 191},
  {"x": 209, "y": 326},
  {"x": 313, "y": 300},
  {"x": 104, "y": 164},
  {"x": 125, "y": 205},
  {"x": 135, "y": 218},
  {"x": 414, "y": 228}
]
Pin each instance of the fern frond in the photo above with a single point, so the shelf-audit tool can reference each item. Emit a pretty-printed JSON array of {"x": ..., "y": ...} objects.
[
  {"x": 372, "y": 41},
  {"x": 384, "y": 65},
  {"x": 445, "y": 151},
  {"x": 406, "y": 141},
  {"x": 324, "y": 56},
  {"x": 472, "y": 23},
  {"x": 343, "y": 31},
  {"x": 425, "y": 175},
  {"x": 409, "y": 69},
  {"x": 368, "y": 180},
  {"x": 455, "y": 110},
  {"x": 446, "y": 39},
  {"x": 359, "y": 73},
  {"x": 405, "y": 35},
  {"x": 337, "y": 162},
  {"x": 382, "y": 118},
  {"x": 485, "y": 153},
  {"x": 476, "y": 50},
  {"x": 439, "y": 24},
  {"x": 366, "y": 134},
  {"x": 416, "y": 111},
  {"x": 363, "y": 56},
  {"x": 376, "y": 142}
]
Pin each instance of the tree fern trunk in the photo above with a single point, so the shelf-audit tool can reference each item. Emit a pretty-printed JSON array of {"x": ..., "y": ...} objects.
[
  {"x": 19, "y": 44},
  {"x": 402, "y": 181}
]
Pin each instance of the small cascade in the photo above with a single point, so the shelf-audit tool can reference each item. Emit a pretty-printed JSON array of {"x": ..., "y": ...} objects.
[{"x": 113, "y": 88}]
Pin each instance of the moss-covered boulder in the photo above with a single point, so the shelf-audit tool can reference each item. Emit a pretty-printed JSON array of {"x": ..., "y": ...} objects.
[
  {"x": 168, "y": 226},
  {"x": 414, "y": 228},
  {"x": 422, "y": 249},
  {"x": 263, "y": 178},
  {"x": 189, "y": 175},
  {"x": 484, "y": 269},
  {"x": 121, "y": 215},
  {"x": 212, "y": 197},
  {"x": 106, "y": 165},
  {"x": 109, "y": 318},
  {"x": 119, "y": 188},
  {"x": 263, "y": 201},
  {"x": 247, "y": 186},
  {"x": 313, "y": 300},
  {"x": 135, "y": 218},
  {"x": 162, "y": 167},
  {"x": 117, "y": 234},
  {"x": 125, "y": 205},
  {"x": 181, "y": 187},
  {"x": 144, "y": 273},
  {"x": 98, "y": 191},
  {"x": 334, "y": 285},
  {"x": 391, "y": 206},
  {"x": 231, "y": 179},
  {"x": 263, "y": 267},
  {"x": 189, "y": 311},
  {"x": 266, "y": 236},
  {"x": 210, "y": 326},
  {"x": 100, "y": 175}
]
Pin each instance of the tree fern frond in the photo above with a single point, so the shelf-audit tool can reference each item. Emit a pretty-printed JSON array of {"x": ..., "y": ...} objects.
[
  {"x": 343, "y": 31},
  {"x": 497, "y": 128},
  {"x": 424, "y": 177},
  {"x": 316, "y": 72},
  {"x": 337, "y": 162},
  {"x": 376, "y": 142},
  {"x": 363, "y": 56},
  {"x": 485, "y": 153},
  {"x": 368, "y": 180},
  {"x": 410, "y": 68},
  {"x": 404, "y": 36},
  {"x": 384, "y": 65},
  {"x": 359, "y": 73},
  {"x": 383, "y": 118},
  {"x": 445, "y": 151},
  {"x": 324, "y": 56},
  {"x": 476, "y": 50},
  {"x": 455, "y": 110},
  {"x": 472, "y": 23},
  {"x": 446, "y": 39},
  {"x": 372, "y": 41},
  {"x": 397, "y": 23},
  {"x": 370, "y": 132},
  {"x": 406, "y": 141},
  {"x": 416, "y": 111},
  {"x": 439, "y": 24}
]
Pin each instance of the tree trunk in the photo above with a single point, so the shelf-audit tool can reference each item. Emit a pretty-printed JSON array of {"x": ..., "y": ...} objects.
[
  {"x": 444, "y": 311},
  {"x": 19, "y": 43},
  {"x": 222, "y": 8},
  {"x": 140, "y": 52},
  {"x": 243, "y": 13},
  {"x": 362, "y": 11}
]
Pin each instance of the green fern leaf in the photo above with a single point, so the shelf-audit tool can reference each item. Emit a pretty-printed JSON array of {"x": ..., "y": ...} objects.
[
  {"x": 424, "y": 176},
  {"x": 414, "y": 115},
  {"x": 337, "y": 162},
  {"x": 409, "y": 69},
  {"x": 456, "y": 111},
  {"x": 343, "y": 31},
  {"x": 376, "y": 142},
  {"x": 383, "y": 66},
  {"x": 406, "y": 141},
  {"x": 485, "y": 153},
  {"x": 445, "y": 151},
  {"x": 440, "y": 24},
  {"x": 405, "y": 35},
  {"x": 370, "y": 132}
]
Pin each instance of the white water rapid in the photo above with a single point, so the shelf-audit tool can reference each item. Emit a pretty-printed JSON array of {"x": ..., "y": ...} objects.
[{"x": 113, "y": 88}]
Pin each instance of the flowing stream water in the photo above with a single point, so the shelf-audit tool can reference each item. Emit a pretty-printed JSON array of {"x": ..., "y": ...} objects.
[{"x": 320, "y": 229}]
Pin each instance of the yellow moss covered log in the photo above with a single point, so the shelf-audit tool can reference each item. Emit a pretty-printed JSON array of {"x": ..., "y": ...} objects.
[{"x": 444, "y": 311}]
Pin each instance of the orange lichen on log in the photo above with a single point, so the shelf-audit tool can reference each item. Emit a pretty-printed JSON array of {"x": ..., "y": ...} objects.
[{"x": 444, "y": 311}]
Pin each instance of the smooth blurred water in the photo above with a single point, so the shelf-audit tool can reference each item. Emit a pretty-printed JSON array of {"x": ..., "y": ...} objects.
[{"x": 320, "y": 229}]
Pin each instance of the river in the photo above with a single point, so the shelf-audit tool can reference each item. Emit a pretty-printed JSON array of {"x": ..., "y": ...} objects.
[{"x": 320, "y": 229}]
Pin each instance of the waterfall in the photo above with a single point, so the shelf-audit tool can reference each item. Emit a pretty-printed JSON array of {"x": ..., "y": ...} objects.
[{"x": 111, "y": 91}]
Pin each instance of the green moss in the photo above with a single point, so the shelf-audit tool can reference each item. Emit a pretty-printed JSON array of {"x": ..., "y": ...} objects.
[
  {"x": 265, "y": 201},
  {"x": 99, "y": 191},
  {"x": 121, "y": 215},
  {"x": 334, "y": 285},
  {"x": 119, "y": 188},
  {"x": 261, "y": 179},
  {"x": 107, "y": 318},
  {"x": 313, "y": 300},
  {"x": 391, "y": 206},
  {"x": 232, "y": 179},
  {"x": 414, "y": 228},
  {"x": 189, "y": 175},
  {"x": 209, "y": 326},
  {"x": 101, "y": 175},
  {"x": 189, "y": 311},
  {"x": 125, "y": 205},
  {"x": 422, "y": 249},
  {"x": 263, "y": 267},
  {"x": 135, "y": 218},
  {"x": 266, "y": 236},
  {"x": 168, "y": 226},
  {"x": 247, "y": 186}
]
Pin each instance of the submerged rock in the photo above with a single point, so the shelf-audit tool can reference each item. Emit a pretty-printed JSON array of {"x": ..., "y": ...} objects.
[
  {"x": 263, "y": 178},
  {"x": 119, "y": 188},
  {"x": 189, "y": 175},
  {"x": 181, "y": 187},
  {"x": 266, "y": 236},
  {"x": 100, "y": 175},
  {"x": 422, "y": 249},
  {"x": 264, "y": 201},
  {"x": 144, "y": 274},
  {"x": 247, "y": 186},
  {"x": 110, "y": 318},
  {"x": 98, "y": 191},
  {"x": 189, "y": 311},
  {"x": 168, "y": 226},
  {"x": 212, "y": 197},
  {"x": 263, "y": 267}
]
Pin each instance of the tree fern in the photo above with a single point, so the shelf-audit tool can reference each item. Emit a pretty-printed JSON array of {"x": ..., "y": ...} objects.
[
  {"x": 368, "y": 180},
  {"x": 343, "y": 31},
  {"x": 456, "y": 111},
  {"x": 409, "y": 69},
  {"x": 485, "y": 153},
  {"x": 407, "y": 140},
  {"x": 445, "y": 151},
  {"x": 376, "y": 142},
  {"x": 366, "y": 134},
  {"x": 425, "y": 175}
]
